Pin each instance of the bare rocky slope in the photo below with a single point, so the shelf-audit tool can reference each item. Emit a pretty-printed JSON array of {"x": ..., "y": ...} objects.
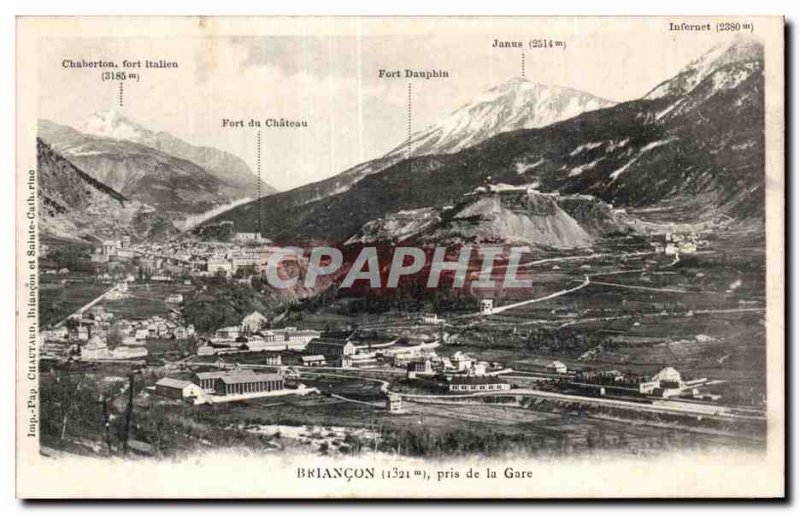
[
  {"x": 73, "y": 205},
  {"x": 502, "y": 214}
]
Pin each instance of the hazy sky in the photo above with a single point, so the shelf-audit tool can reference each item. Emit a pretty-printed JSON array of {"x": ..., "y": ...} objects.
[{"x": 326, "y": 72}]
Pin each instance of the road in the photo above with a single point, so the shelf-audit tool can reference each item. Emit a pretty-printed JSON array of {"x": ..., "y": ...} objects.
[
  {"x": 384, "y": 384},
  {"x": 660, "y": 314},
  {"x": 82, "y": 309},
  {"x": 654, "y": 289},
  {"x": 584, "y": 257},
  {"x": 658, "y": 406},
  {"x": 587, "y": 280},
  {"x": 377, "y": 405},
  {"x": 498, "y": 310}
]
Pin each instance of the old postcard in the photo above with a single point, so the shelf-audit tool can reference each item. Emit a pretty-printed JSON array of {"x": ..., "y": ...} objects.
[{"x": 398, "y": 257}]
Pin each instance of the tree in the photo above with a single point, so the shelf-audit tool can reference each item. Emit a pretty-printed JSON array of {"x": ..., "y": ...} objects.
[{"x": 115, "y": 335}]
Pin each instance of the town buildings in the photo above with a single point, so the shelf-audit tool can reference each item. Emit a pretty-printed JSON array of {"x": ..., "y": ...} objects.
[
  {"x": 247, "y": 237},
  {"x": 555, "y": 367},
  {"x": 667, "y": 383},
  {"x": 241, "y": 382},
  {"x": 291, "y": 338},
  {"x": 419, "y": 367},
  {"x": 177, "y": 389},
  {"x": 332, "y": 348},
  {"x": 542, "y": 366},
  {"x": 97, "y": 349},
  {"x": 253, "y": 322},
  {"x": 211, "y": 386},
  {"x": 207, "y": 380},
  {"x": 461, "y": 361},
  {"x": 394, "y": 403},
  {"x": 219, "y": 264},
  {"x": 429, "y": 319},
  {"x": 229, "y": 333},
  {"x": 312, "y": 360},
  {"x": 470, "y": 384}
]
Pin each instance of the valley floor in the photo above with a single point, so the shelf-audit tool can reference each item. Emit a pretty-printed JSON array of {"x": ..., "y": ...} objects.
[{"x": 623, "y": 307}]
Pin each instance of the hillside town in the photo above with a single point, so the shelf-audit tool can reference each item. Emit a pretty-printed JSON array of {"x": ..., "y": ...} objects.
[
  {"x": 426, "y": 351},
  {"x": 170, "y": 261}
]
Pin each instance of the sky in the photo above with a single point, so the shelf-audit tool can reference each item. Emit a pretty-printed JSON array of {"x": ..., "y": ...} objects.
[{"x": 327, "y": 72}]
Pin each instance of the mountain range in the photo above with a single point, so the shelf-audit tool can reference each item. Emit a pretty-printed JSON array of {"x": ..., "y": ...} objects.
[
  {"x": 693, "y": 146},
  {"x": 225, "y": 166},
  {"x": 73, "y": 205},
  {"x": 156, "y": 168},
  {"x": 513, "y": 105},
  {"x": 516, "y": 104}
]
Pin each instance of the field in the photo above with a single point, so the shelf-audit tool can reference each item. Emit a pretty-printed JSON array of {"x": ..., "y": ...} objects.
[
  {"x": 623, "y": 307},
  {"x": 703, "y": 315},
  {"x": 61, "y": 295},
  {"x": 146, "y": 300}
]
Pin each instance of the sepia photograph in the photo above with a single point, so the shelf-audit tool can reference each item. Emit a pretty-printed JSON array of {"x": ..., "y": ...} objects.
[{"x": 393, "y": 257}]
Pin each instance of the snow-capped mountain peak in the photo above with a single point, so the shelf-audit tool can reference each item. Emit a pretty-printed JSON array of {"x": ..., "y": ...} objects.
[
  {"x": 739, "y": 51},
  {"x": 112, "y": 124},
  {"x": 515, "y": 104}
]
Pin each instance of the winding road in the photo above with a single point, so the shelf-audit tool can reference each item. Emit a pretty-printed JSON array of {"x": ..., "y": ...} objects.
[{"x": 82, "y": 309}]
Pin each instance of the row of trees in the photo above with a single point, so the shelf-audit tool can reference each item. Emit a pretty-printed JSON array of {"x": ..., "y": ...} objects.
[{"x": 77, "y": 406}]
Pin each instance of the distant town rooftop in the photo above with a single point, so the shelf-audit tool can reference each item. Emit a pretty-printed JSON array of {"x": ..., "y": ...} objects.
[
  {"x": 476, "y": 380},
  {"x": 241, "y": 377},
  {"x": 211, "y": 375},
  {"x": 173, "y": 382}
]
